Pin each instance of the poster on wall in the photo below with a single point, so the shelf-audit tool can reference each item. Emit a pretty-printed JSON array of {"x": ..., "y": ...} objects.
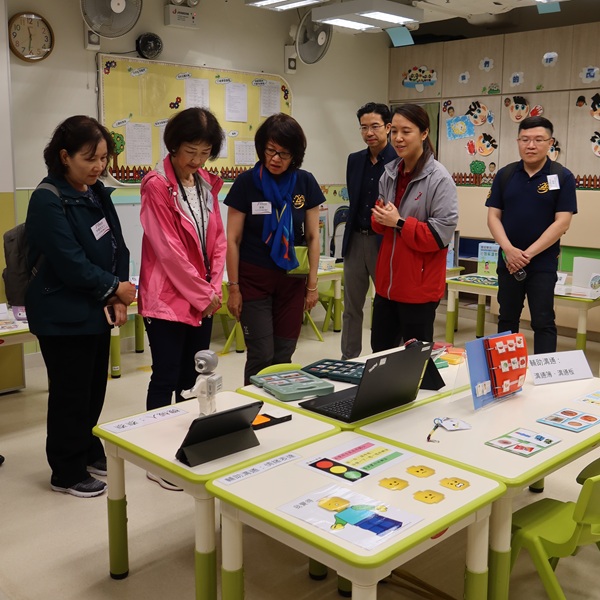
[
  {"x": 469, "y": 139},
  {"x": 137, "y": 97}
]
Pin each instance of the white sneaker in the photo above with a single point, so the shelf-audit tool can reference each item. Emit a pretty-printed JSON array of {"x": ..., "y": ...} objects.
[{"x": 167, "y": 485}]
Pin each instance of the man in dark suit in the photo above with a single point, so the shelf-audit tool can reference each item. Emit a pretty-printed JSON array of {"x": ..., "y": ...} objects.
[{"x": 360, "y": 245}]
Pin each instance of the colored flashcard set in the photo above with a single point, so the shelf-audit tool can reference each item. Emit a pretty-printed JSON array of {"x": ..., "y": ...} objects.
[
  {"x": 570, "y": 419},
  {"x": 523, "y": 442},
  {"x": 591, "y": 399},
  {"x": 507, "y": 361},
  {"x": 497, "y": 367}
]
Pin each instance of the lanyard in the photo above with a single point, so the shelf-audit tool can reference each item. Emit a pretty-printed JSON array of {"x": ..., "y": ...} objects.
[{"x": 201, "y": 230}]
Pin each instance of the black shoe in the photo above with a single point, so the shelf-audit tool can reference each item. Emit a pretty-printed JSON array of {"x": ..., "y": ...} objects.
[
  {"x": 88, "y": 488},
  {"x": 98, "y": 467},
  {"x": 1, "y": 459}
]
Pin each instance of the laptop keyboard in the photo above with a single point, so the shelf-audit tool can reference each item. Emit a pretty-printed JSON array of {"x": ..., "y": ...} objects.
[{"x": 340, "y": 408}]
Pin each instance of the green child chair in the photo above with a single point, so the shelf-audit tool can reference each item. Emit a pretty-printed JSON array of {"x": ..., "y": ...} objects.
[{"x": 550, "y": 530}]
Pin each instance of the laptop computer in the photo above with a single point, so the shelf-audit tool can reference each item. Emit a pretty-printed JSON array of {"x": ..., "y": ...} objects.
[{"x": 389, "y": 381}]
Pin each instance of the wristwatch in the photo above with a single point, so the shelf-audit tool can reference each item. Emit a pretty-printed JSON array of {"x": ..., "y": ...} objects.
[{"x": 399, "y": 224}]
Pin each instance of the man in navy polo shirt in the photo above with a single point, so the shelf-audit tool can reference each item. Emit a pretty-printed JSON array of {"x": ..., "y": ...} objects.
[
  {"x": 361, "y": 245},
  {"x": 528, "y": 212}
]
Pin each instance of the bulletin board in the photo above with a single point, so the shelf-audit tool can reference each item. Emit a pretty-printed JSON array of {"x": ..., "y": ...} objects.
[{"x": 137, "y": 97}]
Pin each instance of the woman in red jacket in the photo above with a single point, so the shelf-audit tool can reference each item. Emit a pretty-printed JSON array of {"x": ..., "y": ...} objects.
[{"x": 416, "y": 213}]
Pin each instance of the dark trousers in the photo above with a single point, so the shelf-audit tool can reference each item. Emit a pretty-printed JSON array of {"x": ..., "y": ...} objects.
[
  {"x": 394, "y": 322},
  {"x": 77, "y": 368},
  {"x": 272, "y": 311},
  {"x": 173, "y": 346},
  {"x": 539, "y": 289}
]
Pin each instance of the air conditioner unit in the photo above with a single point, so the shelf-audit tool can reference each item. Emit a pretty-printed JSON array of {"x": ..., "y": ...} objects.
[{"x": 181, "y": 16}]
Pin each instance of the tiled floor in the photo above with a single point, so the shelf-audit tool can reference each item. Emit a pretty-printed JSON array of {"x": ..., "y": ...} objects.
[{"x": 54, "y": 546}]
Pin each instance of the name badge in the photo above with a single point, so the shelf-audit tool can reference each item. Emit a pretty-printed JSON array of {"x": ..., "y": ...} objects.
[
  {"x": 261, "y": 208},
  {"x": 553, "y": 183},
  {"x": 100, "y": 228}
]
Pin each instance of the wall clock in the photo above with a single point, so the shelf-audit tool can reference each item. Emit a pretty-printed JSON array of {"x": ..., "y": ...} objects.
[{"x": 30, "y": 36}]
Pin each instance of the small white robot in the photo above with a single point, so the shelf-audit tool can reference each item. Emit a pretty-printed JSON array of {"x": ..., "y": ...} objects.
[{"x": 208, "y": 383}]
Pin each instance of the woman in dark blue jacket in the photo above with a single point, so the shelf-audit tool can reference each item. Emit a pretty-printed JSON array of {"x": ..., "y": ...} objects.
[{"x": 81, "y": 265}]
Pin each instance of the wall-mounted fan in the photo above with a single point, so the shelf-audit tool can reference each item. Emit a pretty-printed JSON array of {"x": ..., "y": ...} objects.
[
  {"x": 111, "y": 18},
  {"x": 148, "y": 45},
  {"x": 312, "y": 40}
]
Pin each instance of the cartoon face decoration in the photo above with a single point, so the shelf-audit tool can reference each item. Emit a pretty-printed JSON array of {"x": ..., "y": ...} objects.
[
  {"x": 393, "y": 483},
  {"x": 421, "y": 471},
  {"x": 554, "y": 151},
  {"x": 428, "y": 496},
  {"x": 334, "y": 503},
  {"x": 477, "y": 112},
  {"x": 595, "y": 139},
  {"x": 459, "y": 128},
  {"x": 455, "y": 483},
  {"x": 486, "y": 144},
  {"x": 518, "y": 109},
  {"x": 595, "y": 106}
]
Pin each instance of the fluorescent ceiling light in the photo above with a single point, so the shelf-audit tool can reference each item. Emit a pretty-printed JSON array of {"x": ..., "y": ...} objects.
[
  {"x": 348, "y": 24},
  {"x": 282, "y": 4},
  {"x": 376, "y": 13}
]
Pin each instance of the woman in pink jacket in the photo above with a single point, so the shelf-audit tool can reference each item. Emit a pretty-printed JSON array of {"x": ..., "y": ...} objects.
[{"x": 183, "y": 253}]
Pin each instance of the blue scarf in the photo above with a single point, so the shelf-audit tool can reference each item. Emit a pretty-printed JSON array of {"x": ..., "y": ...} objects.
[{"x": 278, "y": 227}]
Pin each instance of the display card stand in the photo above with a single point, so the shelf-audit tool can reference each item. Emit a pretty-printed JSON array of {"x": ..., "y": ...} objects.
[
  {"x": 219, "y": 434},
  {"x": 497, "y": 366},
  {"x": 432, "y": 380}
]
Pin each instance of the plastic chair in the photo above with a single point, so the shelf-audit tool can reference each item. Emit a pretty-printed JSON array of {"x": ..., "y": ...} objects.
[
  {"x": 550, "y": 530},
  {"x": 280, "y": 367},
  {"x": 326, "y": 297},
  {"x": 590, "y": 471},
  {"x": 308, "y": 319},
  {"x": 236, "y": 334}
]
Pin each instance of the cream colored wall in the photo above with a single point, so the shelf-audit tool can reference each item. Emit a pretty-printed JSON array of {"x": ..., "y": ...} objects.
[
  {"x": 231, "y": 35},
  {"x": 472, "y": 219}
]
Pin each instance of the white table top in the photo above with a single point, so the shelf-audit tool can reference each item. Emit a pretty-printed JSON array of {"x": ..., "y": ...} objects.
[
  {"x": 156, "y": 440},
  {"x": 423, "y": 477},
  {"x": 456, "y": 378},
  {"x": 467, "y": 447}
]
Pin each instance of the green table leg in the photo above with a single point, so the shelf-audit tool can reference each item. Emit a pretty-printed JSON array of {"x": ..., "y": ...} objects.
[
  {"x": 316, "y": 570},
  {"x": 206, "y": 582},
  {"x": 451, "y": 316},
  {"x": 537, "y": 487},
  {"x": 476, "y": 585},
  {"x": 118, "y": 548},
  {"x": 499, "y": 575},
  {"x": 139, "y": 333},
  {"x": 232, "y": 584},
  {"x": 115, "y": 353},
  {"x": 480, "y": 326},
  {"x": 580, "y": 341},
  {"x": 344, "y": 587},
  {"x": 337, "y": 314}
]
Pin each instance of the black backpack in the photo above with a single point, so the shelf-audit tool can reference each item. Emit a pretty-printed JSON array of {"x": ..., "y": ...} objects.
[{"x": 17, "y": 275}]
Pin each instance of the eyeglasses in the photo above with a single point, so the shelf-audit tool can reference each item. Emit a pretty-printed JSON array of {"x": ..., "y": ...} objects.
[
  {"x": 283, "y": 155},
  {"x": 374, "y": 128},
  {"x": 537, "y": 141}
]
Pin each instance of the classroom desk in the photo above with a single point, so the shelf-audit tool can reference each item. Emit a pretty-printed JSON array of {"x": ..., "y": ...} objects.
[
  {"x": 456, "y": 379},
  {"x": 152, "y": 447},
  {"x": 488, "y": 287},
  {"x": 12, "y": 334},
  {"x": 442, "y": 510},
  {"x": 467, "y": 448}
]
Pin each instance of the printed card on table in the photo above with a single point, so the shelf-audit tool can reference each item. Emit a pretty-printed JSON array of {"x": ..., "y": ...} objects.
[
  {"x": 570, "y": 419},
  {"x": 523, "y": 442},
  {"x": 354, "y": 517}
]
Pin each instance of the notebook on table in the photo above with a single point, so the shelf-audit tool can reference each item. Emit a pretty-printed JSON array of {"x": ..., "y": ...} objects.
[{"x": 389, "y": 381}]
